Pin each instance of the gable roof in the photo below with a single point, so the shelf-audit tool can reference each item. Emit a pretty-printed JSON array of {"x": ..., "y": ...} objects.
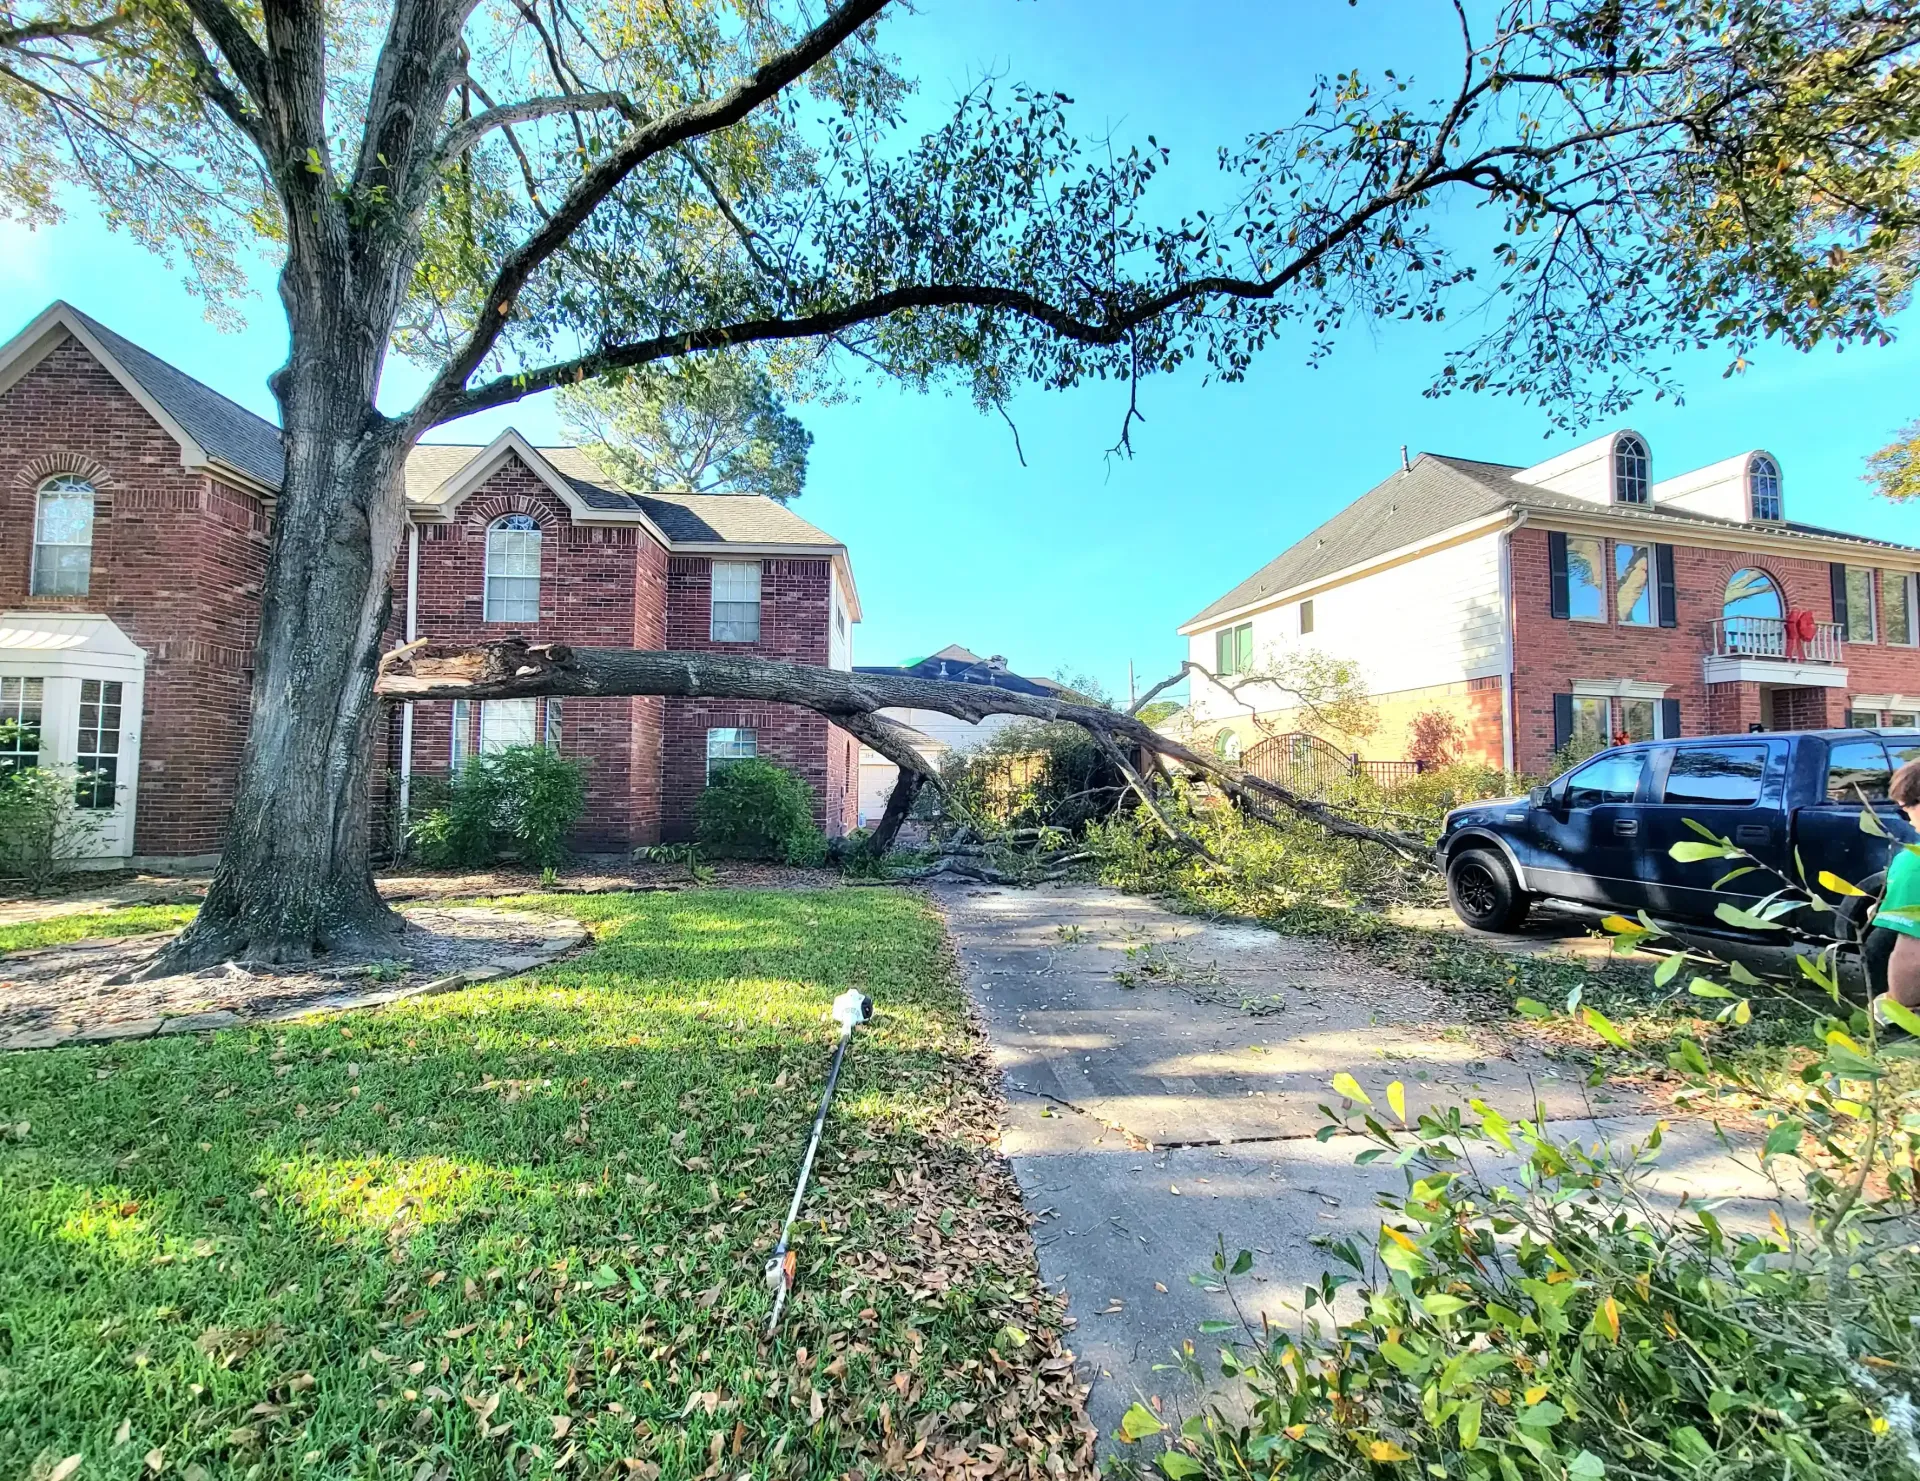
[
  {"x": 440, "y": 476},
  {"x": 956, "y": 665},
  {"x": 211, "y": 429},
  {"x": 1439, "y": 495}
]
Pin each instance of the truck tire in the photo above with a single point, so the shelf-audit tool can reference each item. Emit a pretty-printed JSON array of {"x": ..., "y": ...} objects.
[{"x": 1483, "y": 892}]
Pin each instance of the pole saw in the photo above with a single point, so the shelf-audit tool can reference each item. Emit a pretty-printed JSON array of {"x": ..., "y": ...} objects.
[{"x": 852, "y": 1007}]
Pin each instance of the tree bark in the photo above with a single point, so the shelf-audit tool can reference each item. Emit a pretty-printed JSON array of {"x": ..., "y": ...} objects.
[{"x": 512, "y": 669}]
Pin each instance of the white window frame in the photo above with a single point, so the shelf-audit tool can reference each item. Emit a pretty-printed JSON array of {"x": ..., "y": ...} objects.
[
  {"x": 727, "y": 743},
  {"x": 1764, "y": 467},
  {"x": 1909, "y": 586},
  {"x": 460, "y": 735},
  {"x": 735, "y": 602},
  {"x": 1614, "y": 693},
  {"x": 1652, "y": 587},
  {"x": 1307, "y": 615},
  {"x": 1637, "y": 474},
  {"x": 508, "y": 722},
  {"x": 1227, "y": 640},
  {"x": 1872, "y": 634},
  {"x": 21, "y": 695},
  {"x": 48, "y": 578},
  {"x": 512, "y": 593},
  {"x": 1600, "y": 568}
]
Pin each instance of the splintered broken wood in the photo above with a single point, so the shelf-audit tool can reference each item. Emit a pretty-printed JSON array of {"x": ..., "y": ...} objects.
[{"x": 430, "y": 664}]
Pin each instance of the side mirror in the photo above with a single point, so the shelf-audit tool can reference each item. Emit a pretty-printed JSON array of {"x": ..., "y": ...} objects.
[{"x": 1538, "y": 797}]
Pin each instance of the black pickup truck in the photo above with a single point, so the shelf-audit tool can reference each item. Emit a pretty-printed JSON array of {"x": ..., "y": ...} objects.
[{"x": 1603, "y": 834}]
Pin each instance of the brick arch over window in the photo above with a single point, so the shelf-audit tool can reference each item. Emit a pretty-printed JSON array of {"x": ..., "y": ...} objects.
[
  {"x": 37, "y": 471},
  {"x": 478, "y": 515}
]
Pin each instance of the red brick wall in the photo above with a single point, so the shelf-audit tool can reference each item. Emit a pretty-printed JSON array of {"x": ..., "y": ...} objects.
[
  {"x": 795, "y": 617},
  {"x": 1549, "y": 655},
  {"x": 588, "y": 591},
  {"x": 177, "y": 564}
]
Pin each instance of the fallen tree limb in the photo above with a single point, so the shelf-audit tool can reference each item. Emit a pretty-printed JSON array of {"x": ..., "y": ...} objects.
[{"x": 513, "y": 669}]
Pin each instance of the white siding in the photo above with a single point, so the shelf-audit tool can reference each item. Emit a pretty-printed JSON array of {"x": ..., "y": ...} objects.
[
  {"x": 1434, "y": 620},
  {"x": 839, "y": 626}
]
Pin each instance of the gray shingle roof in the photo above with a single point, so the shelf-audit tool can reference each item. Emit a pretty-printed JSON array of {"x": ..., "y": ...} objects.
[
  {"x": 685, "y": 519},
  {"x": 226, "y": 430},
  {"x": 1441, "y": 493}
]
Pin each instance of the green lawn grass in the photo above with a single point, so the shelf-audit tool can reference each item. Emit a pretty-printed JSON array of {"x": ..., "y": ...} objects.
[
  {"x": 135, "y": 920},
  {"x": 519, "y": 1230}
]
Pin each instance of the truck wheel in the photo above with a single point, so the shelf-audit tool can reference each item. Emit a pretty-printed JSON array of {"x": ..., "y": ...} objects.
[{"x": 1483, "y": 891}]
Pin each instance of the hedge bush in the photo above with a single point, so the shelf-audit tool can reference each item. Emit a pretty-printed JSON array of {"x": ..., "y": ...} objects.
[
  {"x": 521, "y": 801},
  {"x": 752, "y": 809}
]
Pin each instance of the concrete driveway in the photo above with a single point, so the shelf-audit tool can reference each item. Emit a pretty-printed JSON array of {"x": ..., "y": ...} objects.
[{"x": 1163, "y": 1077}]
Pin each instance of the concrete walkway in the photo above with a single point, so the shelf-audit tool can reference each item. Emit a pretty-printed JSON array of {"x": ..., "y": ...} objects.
[{"x": 1164, "y": 1076}]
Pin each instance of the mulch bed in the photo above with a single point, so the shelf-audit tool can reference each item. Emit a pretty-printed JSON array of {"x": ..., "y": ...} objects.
[{"x": 77, "y": 992}]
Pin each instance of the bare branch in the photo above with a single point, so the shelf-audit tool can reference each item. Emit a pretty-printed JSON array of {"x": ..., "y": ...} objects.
[{"x": 469, "y": 132}]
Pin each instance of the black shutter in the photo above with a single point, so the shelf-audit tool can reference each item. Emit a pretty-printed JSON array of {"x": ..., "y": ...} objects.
[
  {"x": 1663, "y": 565},
  {"x": 1839, "y": 574},
  {"x": 1669, "y": 719},
  {"x": 1562, "y": 718},
  {"x": 1557, "y": 573}
]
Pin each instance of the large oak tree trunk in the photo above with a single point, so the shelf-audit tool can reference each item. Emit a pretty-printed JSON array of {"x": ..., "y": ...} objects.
[{"x": 295, "y": 878}]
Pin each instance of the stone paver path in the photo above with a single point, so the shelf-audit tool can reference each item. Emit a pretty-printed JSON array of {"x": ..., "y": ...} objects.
[{"x": 1163, "y": 1077}]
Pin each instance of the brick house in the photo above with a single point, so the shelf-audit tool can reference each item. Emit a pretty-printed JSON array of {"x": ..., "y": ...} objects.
[
  {"x": 1576, "y": 600},
  {"x": 136, "y": 506}
]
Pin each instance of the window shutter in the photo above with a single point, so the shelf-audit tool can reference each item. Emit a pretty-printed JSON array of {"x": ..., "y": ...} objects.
[
  {"x": 1669, "y": 604},
  {"x": 1839, "y": 577},
  {"x": 1557, "y": 572},
  {"x": 1562, "y": 718},
  {"x": 1669, "y": 719}
]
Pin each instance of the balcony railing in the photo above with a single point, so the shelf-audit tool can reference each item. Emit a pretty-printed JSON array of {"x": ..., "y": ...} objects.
[{"x": 1767, "y": 637}]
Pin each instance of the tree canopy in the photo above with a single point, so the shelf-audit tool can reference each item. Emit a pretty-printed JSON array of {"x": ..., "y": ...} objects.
[
  {"x": 714, "y": 424},
  {"x": 1894, "y": 471}
]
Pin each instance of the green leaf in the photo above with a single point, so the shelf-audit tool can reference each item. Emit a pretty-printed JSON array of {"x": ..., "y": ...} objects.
[
  {"x": 1137, "y": 1423},
  {"x": 1732, "y": 874},
  {"x": 1733, "y": 915},
  {"x": 1700, "y": 987},
  {"x": 1213, "y": 1327},
  {"x": 1533, "y": 1008},
  {"x": 1468, "y": 1419},
  {"x": 1586, "y": 1466},
  {"x": 1543, "y": 1416},
  {"x": 1180, "y": 1466},
  {"x": 1871, "y": 824},
  {"x": 1904, "y": 1018},
  {"x": 1693, "y": 853},
  {"x": 1442, "y": 1304},
  {"x": 1350, "y": 1088},
  {"x": 1690, "y": 1443},
  {"x": 1784, "y": 1139},
  {"x": 1598, "y": 1022},
  {"x": 1706, "y": 832},
  {"x": 1741, "y": 975},
  {"x": 1242, "y": 1263},
  {"x": 1668, "y": 969}
]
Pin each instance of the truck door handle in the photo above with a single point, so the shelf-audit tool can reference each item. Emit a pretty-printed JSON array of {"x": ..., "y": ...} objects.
[
  {"x": 1626, "y": 827},
  {"x": 1753, "y": 833}
]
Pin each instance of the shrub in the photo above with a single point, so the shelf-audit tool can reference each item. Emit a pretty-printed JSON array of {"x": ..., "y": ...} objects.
[
  {"x": 42, "y": 829},
  {"x": 521, "y": 801},
  {"x": 752, "y": 809},
  {"x": 1434, "y": 738}
]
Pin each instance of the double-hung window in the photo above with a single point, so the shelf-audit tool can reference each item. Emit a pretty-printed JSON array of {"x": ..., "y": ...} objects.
[
  {"x": 736, "y": 602},
  {"x": 1635, "y": 594},
  {"x": 63, "y": 538},
  {"x": 1861, "y": 627},
  {"x": 1586, "y": 578},
  {"x": 513, "y": 569},
  {"x": 507, "y": 722},
  {"x": 727, "y": 744},
  {"x": 1897, "y": 607},
  {"x": 1233, "y": 650}
]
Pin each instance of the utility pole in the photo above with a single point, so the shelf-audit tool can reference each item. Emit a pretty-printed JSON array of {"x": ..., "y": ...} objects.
[{"x": 1130, "y": 688}]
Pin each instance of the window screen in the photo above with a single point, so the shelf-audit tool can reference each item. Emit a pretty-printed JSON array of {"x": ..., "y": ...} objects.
[
  {"x": 728, "y": 744},
  {"x": 1857, "y": 769},
  {"x": 1717, "y": 776},
  {"x": 736, "y": 602},
  {"x": 506, "y": 722},
  {"x": 1610, "y": 779},
  {"x": 97, "y": 756}
]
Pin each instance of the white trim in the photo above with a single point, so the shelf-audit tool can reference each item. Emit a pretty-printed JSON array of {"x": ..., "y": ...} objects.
[
  {"x": 1507, "y": 615},
  {"x": 406, "y": 710},
  {"x": 1620, "y": 689},
  {"x": 1772, "y": 671},
  {"x": 1884, "y": 702},
  {"x": 58, "y": 322}
]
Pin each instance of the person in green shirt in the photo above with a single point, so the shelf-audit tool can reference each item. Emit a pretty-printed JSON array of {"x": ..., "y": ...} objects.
[{"x": 1899, "y": 909}]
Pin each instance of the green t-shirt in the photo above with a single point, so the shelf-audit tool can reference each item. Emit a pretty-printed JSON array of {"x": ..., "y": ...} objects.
[{"x": 1903, "y": 894}]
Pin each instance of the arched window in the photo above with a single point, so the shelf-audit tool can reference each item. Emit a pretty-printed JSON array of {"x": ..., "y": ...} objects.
[
  {"x": 1763, "y": 488},
  {"x": 1226, "y": 745},
  {"x": 1630, "y": 484},
  {"x": 63, "y": 538},
  {"x": 1752, "y": 593},
  {"x": 513, "y": 569}
]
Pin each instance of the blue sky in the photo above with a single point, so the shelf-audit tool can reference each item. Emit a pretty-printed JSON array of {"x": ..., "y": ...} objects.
[{"x": 1080, "y": 560}]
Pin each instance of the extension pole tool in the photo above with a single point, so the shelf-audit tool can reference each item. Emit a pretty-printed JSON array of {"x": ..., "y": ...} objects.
[{"x": 850, "y": 1008}]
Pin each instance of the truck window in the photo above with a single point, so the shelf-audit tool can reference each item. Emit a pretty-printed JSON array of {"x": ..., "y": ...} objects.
[
  {"x": 1903, "y": 750},
  {"x": 1857, "y": 769},
  {"x": 1716, "y": 776},
  {"x": 1609, "y": 779}
]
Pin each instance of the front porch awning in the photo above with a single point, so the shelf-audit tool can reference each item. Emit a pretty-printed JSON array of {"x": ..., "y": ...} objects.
[{"x": 53, "y": 642}]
